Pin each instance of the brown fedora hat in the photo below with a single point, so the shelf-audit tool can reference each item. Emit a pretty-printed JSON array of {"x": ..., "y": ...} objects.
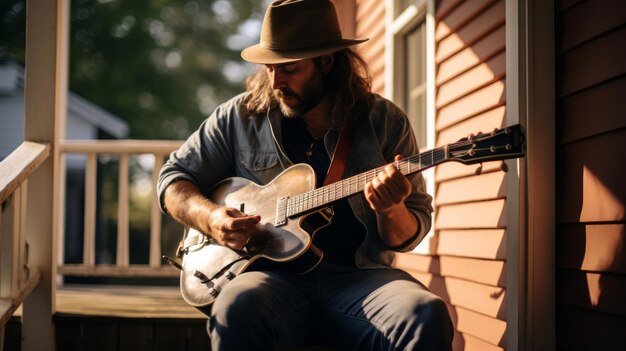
[{"x": 296, "y": 30}]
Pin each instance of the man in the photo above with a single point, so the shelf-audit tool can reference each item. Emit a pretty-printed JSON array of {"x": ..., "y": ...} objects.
[{"x": 312, "y": 85}]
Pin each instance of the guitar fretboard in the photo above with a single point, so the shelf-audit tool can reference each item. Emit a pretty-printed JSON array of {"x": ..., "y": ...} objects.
[{"x": 325, "y": 195}]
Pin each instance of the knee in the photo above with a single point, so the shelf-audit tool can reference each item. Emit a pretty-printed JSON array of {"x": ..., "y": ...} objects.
[
  {"x": 435, "y": 327},
  {"x": 434, "y": 316},
  {"x": 422, "y": 324},
  {"x": 239, "y": 314},
  {"x": 240, "y": 299},
  {"x": 426, "y": 312}
]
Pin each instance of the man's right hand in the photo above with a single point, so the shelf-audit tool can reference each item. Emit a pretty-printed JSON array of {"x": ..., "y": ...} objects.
[{"x": 231, "y": 228}]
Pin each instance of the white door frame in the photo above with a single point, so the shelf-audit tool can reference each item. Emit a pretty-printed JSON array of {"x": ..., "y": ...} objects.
[{"x": 530, "y": 100}]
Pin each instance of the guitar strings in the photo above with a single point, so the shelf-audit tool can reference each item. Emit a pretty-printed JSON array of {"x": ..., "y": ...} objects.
[{"x": 321, "y": 196}]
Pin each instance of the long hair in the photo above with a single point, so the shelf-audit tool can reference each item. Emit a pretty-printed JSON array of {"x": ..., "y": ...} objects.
[{"x": 348, "y": 83}]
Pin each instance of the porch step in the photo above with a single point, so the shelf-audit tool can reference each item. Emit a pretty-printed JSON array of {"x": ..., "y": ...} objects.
[
  {"x": 119, "y": 318},
  {"x": 12, "y": 334},
  {"x": 97, "y": 333},
  {"x": 93, "y": 333}
]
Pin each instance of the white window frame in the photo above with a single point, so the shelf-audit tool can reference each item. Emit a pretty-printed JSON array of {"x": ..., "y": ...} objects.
[
  {"x": 530, "y": 100},
  {"x": 397, "y": 26}
]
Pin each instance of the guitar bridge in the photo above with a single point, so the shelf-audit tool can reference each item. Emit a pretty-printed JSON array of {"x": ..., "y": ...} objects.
[{"x": 281, "y": 211}]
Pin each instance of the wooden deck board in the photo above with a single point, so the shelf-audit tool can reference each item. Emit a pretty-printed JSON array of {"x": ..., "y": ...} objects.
[{"x": 124, "y": 301}]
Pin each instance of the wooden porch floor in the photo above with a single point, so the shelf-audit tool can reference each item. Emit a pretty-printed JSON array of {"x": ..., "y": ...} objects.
[{"x": 124, "y": 301}]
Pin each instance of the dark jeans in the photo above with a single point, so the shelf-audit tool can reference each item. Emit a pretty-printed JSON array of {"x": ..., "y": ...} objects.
[{"x": 349, "y": 308}]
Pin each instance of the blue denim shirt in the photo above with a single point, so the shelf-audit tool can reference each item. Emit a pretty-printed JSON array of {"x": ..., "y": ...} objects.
[{"x": 231, "y": 142}]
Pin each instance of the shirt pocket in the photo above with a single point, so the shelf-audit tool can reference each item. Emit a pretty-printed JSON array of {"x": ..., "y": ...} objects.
[{"x": 259, "y": 166}]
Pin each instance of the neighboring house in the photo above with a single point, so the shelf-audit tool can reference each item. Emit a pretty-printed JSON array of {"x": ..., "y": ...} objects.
[
  {"x": 532, "y": 258},
  {"x": 84, "y": 121}
]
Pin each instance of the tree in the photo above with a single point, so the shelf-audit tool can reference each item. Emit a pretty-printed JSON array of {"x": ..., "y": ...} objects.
[
  {"x": 12, "y": 31},
  {"x": 161, "y": 65}
]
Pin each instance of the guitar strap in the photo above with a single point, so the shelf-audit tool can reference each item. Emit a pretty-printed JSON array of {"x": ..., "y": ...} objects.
[{"x": 338, "y": 162}]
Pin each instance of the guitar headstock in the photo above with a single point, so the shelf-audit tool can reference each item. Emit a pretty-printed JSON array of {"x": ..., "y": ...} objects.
[{"x": 500, "y": 144}]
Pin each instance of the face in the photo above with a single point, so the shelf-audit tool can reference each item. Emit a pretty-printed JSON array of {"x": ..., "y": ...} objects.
[{"x": 297, "y": 86}]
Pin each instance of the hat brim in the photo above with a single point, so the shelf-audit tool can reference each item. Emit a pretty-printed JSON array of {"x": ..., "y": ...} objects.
[{"x": 258, "y": 54}]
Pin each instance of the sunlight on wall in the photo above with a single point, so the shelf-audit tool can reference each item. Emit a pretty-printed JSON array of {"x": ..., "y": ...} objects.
[
  {"x": 594, "y": 287},
  {"x": 598, "y": 200}
]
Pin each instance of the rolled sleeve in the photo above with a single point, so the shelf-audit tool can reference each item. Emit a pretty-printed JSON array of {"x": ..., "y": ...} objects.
[{"x": 205, "y": 157}]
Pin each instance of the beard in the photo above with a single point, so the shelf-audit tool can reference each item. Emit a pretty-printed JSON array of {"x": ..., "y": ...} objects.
[{"x": 311, "y": 95}]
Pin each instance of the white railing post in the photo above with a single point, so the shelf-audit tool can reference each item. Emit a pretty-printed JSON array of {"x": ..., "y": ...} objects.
[
  {"x": 122, "y": 213},
  {"x": 123, "y": 149},
  {"x": 17, "y": 277},
  {"x": 45, "y": 95},
  {"x": 8, "y": 243},
  {"x": 155, "y": 216},
  {"x": 89, "y": 239}
]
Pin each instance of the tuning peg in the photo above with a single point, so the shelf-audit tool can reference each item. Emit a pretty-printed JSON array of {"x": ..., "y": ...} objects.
[
  {"x": 504, "y": 167},
  {"x": 479, "y": 170}
]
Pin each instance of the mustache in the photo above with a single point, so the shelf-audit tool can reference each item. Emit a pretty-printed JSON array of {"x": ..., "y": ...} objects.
[{"x": 284, "y": 92}]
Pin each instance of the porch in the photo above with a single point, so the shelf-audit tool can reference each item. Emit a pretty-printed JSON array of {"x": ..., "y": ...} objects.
[
  {"x": 117, "y": 317},
  {"x": 39, "y": 309},
  {"x": 127, "y": 305},
  {"x": 132, "y": 303},
  {"x": 510, "y": 305}
]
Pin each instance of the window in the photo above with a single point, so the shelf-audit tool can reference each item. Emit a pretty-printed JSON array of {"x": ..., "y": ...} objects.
[
  {"x": 414, "y": 83},
  {"x": 410, "y": 71}
]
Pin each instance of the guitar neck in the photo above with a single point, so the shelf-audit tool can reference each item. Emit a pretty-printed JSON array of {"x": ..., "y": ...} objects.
[{"x": 328, "y": 194}]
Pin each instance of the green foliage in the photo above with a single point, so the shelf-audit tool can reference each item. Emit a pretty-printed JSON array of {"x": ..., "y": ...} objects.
[
  {"x": 161, "y": 65},
  {"x": 12, "y": 31}
]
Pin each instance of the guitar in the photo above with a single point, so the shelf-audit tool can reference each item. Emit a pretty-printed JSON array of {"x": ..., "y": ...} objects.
[{"x": 292, "y": 210}]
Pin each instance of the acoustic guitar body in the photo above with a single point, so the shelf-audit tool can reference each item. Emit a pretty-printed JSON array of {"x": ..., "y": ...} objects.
[{"x": 208, "y": 267}]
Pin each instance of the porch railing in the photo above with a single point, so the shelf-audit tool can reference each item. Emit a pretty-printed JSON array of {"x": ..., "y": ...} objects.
[
  {"x": 123, "y": 150},
  {"x": 17, "y": 278}
]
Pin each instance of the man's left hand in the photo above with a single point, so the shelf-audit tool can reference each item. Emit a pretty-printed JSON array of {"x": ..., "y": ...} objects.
[{"x": 388, "y": 189}]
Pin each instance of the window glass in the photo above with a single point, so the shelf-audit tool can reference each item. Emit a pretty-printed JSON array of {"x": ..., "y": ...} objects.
[{"x": 415, "y": 82}]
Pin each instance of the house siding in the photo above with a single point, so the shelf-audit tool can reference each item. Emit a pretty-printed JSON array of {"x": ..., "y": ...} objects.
[
  {"x": 467, "y": 264},
  {"x": 370, "y": 23},
  {"x": 470, "y": 223},
  {"x": 591, "y": 193}
]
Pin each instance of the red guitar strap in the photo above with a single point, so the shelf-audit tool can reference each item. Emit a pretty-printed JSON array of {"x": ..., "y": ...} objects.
[{"x": 338, "y": 162}]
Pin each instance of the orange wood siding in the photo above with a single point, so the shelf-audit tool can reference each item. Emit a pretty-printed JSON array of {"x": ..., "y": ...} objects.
[
  {"x": 468, "y": 265},
  {"x": 370, "y": 23},
  {"x": 591, "y": 192}
]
